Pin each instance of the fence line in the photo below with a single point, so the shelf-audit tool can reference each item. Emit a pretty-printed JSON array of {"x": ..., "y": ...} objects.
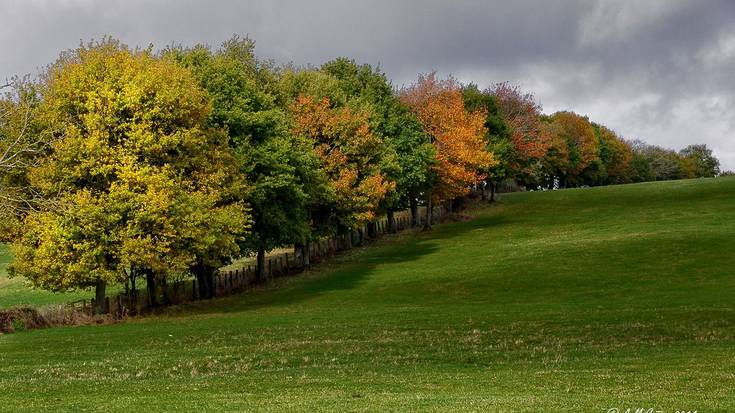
[
  {"x": 508, "y": 185},
  {"x": 231, "y": 281}
]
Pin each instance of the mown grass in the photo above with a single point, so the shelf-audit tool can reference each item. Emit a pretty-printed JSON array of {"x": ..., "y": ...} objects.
[{"x": 576, "y": 300}]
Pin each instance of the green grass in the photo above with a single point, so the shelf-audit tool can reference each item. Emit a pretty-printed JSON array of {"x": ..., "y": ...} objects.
[
  {"x": 15, "y": 291},
  {"x": 576, "y": 300}
]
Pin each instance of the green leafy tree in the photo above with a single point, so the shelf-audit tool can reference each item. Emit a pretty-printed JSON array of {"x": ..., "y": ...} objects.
[
  {"x": 639, "y": 169},
  {"x": 276, "y": 164},
  {"x": 704, "y": 163},
  {"x": 498, "y": 135},
  {"x": 661, "y": 164},
  {"x": 132, "y": 180}
]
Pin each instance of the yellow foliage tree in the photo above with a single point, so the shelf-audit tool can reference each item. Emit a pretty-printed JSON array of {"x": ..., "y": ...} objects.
[{"x": 135, "y": 186}]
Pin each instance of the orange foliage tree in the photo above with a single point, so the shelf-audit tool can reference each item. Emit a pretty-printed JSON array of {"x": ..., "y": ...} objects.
[
  {"x": 573, "y": 146},
  {"x": 457, "y": 134},
  {"x": 350, "y": 156}
]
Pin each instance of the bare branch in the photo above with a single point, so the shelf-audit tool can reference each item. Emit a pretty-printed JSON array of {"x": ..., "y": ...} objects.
[{"x": 20, "y": 149}]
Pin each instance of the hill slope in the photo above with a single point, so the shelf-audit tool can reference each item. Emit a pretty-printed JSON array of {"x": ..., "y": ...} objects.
[{"x": 577, "y": 300}]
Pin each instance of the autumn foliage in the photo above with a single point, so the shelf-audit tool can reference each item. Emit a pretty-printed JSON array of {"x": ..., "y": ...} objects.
[
  {"x": 521, "y": 112},
  {"x": 121, "y": 166},
  {"x": 348, "y": 149},
  {"x": 457, "y": 134},
  {"x": 574, "y": 145},
  {"x": 614, "y": 153}
]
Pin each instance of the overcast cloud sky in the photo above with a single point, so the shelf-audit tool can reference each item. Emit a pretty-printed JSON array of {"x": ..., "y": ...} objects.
[{"x": 658, "y": 70}]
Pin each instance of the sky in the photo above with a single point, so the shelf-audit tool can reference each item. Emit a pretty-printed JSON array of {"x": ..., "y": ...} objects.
[{"x": 662, "y": 71}]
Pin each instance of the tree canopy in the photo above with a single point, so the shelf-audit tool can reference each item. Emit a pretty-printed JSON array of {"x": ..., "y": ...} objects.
[
  {"x": 134, "y": 182},
  {"x": 458, "y": 135},
  {"x": 122, "y": 164}
]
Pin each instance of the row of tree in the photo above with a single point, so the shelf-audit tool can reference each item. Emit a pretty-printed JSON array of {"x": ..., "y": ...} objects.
[
  {"x": 134, "y": 166},
  {"x": 568, "y": 150}
]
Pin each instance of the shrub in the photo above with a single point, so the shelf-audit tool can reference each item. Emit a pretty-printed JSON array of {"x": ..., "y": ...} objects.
[
  {"x": 63, "y": 315},
  {"x": 28, "y": 318},
  {"x": 21, "y": 318}
]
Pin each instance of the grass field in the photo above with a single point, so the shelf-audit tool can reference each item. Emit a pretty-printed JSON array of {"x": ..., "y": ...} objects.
[{"x": 567, "y": 301}]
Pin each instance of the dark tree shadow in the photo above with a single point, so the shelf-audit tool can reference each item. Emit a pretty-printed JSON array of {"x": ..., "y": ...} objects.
[{"x": 345, "y": 271}]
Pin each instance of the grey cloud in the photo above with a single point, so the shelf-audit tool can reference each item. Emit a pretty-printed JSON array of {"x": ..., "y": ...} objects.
[{"x": 658, "y": 70}]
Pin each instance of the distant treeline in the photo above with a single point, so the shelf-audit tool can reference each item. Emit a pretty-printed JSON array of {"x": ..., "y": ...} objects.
[{"x": 139, "y": 166}]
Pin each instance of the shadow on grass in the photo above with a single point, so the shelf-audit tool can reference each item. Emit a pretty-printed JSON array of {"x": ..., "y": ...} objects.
[{"x": 346, "y": 271}]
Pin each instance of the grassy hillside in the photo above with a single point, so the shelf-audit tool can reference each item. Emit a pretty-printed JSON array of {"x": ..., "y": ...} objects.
[
  {"x": 14, "y": 291},
  {"x": 577, "y": 300}
]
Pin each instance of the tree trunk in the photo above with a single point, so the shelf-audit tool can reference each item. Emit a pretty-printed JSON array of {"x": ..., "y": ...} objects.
[
  {"x": 202, "y": 281},
  {"x": 205, "y": 279},
  {"x": 166, "y": 296},
  {"x": 392, "y": 221},
  {"x": 372, "y": 230},
  {"x": 99, "y": 296},
  {"x": 415, "y": 220},
  {"x": 492, "y": 191},
  {"x": 150, "y": 280},
  {"x": 303, "y": 251},
  {"x": 427, "y": 224},
  {"x": 211, "y": 288},
  {"x": 450, "y": 206},
  {"x": 133, "y": 297},
  {"x": 261, "y": 261},
  {"x": 483, "y": 195},
  {"x": 360, "y": 236}
]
